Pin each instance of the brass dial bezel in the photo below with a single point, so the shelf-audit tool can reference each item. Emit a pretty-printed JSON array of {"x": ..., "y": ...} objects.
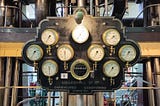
[
  {"x": 39, "y": 48},
  {"x": 74, "y": 75},
  {"x": 55, "y": 34},
  {"x": 107, "y": 41}
]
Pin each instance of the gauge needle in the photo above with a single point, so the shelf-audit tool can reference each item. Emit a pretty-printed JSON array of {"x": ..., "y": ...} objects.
[
  {"x": 96, "y": 53},
  {"x": 128, "y": 52},
  {"x": 111, "y": 69},
  {"x": 33, "y": 53},
  {"x": 48, "y": 38},
  {"x": 113, "y": 37}
]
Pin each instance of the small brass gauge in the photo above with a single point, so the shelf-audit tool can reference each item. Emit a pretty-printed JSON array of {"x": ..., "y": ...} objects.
[
  {"x": 49, "y": 68},
  {"x": 34, "y": 52},
  {"x": 95, "y": 52},
  {"x": 111, "y": 68},
  {"x": 65, "y": 52},
  {"x": 127, "y": 53},
  {"x": 80, "y": 69},
  {"x": 111, "y": 37},
  {"x": 80, "y": 34},
  {"x": 49, "y": 37}
]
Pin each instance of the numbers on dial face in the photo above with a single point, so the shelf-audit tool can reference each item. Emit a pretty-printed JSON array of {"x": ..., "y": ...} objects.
[
  {"x": 65, "y": 52},
  {"x": 95, "y": 52},
  {"x": 34, "y": 52},
  {"x": 111, "y": 37},
  {"x": 49, "y": 37},
  {"x": 127, "y": 53},
  {"x": 80, "y": 34},
  {"x": 111, "y": 68},
  {"x": 49, "y": 68}
]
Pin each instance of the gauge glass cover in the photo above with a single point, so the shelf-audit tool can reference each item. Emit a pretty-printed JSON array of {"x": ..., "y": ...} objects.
[
  {"x": 127, "y": 53},
  {"x": 49, "y": 37},
  {"x": 111, "y": 37},
  {"x": 49, "y": 68},
  {"x": 65, "y": 52},
  {"x": 80, "y": 34},
  {"x": 95, "y": 52},
  {"x": 34, "y": 52},
  {"x": 111, "y": 68}
]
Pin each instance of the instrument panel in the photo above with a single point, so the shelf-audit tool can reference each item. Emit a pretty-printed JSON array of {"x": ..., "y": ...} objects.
[{"x": 81, "y": 58}]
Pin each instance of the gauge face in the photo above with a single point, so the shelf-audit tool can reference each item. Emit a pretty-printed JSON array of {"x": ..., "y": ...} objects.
[
  {"x": 111, "y": 37},
  {"x": 65, "y": 52},
  {"x": 111, "y": 68},
  {"x": 127, "y": 53},
  {"x": 34, "y": 52},
  {"x": 95, "y": 52},
  {"x": 80, "y": 69},
  {"x": 49, "y": 37},
  {"x": 49, "y": 68},
  {"x": 80, "y": 34}
]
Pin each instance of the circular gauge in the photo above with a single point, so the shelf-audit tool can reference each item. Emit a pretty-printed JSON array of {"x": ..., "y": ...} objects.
[
  {"x": 80, "y": 69},
  {"x": 80, "y": 34},
  {"x": 49, "y": 68},
  {"x": 127, "y": 53},
  {"x": 49, "y": 37},
  {"x": 111, "y": 68},
  {"x": 34, "y": 52},
  {"x": 65, "y": 52},
  {"x": 111, "y": 37},
  {"x": 95, "y": 52}
]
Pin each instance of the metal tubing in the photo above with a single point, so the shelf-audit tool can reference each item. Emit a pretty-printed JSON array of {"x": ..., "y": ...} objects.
[
  {"x": 66, "y": 8},
  {"x": 97, "y": 11},
  {"x": 80, "y": 100},
  {"x": 49, "y": 98},
  {"x": 149, "y": 78},
  {"x": 81, "y": 3},
  {"x": 99, "y": 99},
  {"x": 157, "y": 70},
  {"x": 7, "y": 81},
  {"x": 5, "y": 16},
  {"x": 106, "y": 7},
  {"x": 16, "y": 80},
  {"x": 91, "y": 7},
  {"x": 1, "y": 79}
]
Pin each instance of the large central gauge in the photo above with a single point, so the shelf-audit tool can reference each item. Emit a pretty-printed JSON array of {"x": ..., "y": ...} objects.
[
  {"x": 65, "y": 52},
  {"x": 80, "y": 34},
  {"x": 111, "y": 37},
  {"x": 49, "y": 37},
  {"x": 95, "y": 52},
  {"x": 34, "y": 52},
  {"x": 49, "y": 68},
  {"x": 80, "y": 69}
]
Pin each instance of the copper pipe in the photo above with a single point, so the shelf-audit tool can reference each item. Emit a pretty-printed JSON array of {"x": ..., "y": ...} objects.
[{"x": 81, "y": 3}]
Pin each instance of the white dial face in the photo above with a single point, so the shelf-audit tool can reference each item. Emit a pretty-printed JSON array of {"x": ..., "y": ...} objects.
[
  {"x": 80, "y": 34},
  {"x": 95, "y": 52},
  {"x": 111, "y": 68},
  {"x": 49, "y": 37},
  {"x": 111, "y": 37},
  {"x": 127, "y": 53},
  {"x": 34, "y": 52},
  {"x": 49, "y": 68},
  {"x": 65, "y": 52}
]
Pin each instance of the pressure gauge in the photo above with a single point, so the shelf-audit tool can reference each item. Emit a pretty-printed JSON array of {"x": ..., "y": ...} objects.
[
  {"x": 111, "y": 37},
  {"x": 127, "y": 53},
  {"x": 49, "y": 37},
  {"x": 80, "y": 34},
  {"x": 95, "y": 52},
  {"x": 80, "y": 69},
  {"x": 34, "y": 52},
  {"x": 49, "y": 68},
  {"x": 111, "y": 68},
  {"x": 65, "y": 52}
]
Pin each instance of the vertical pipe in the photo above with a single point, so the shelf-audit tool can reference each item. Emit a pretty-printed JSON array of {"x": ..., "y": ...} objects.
[
  {"x": 97, "y": 11},
  {"x": 151, "y": 99},
  {"x": 16, "y": 78},
  {"x": 99, "y": 99},
  {"x": 7, "y": 81},
  {"x": 1, "y": 79},
  {"x": 91, "y": 7},
  {"x": 1, "y": 12},
  {"x": 81, "y": 3},
  {"x": 5, "y": 16},
  {"x": 49, "y": 99},
  {"x": 66, "y": 8},
  {"x": 106, "y": 7},
  {"x": 20, "y": 14},
  {"x": 157, "y": 70},
  {"x": 80, "y": 100}
]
